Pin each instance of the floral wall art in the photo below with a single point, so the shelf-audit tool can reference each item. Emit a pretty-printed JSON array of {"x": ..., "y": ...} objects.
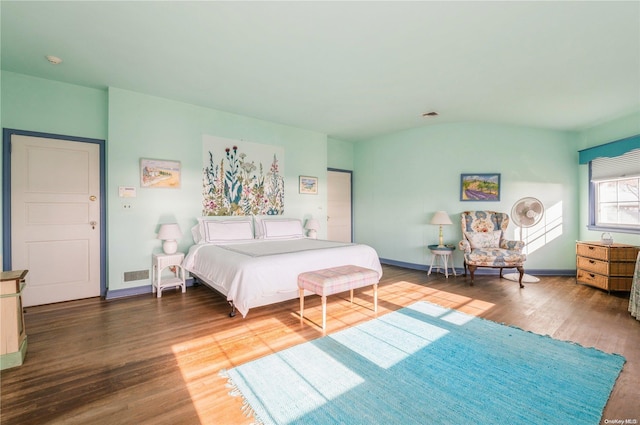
[{"x": 241, "y": 178}]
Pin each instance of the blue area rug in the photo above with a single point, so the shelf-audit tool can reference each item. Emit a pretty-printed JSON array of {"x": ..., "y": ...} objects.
[{"x": 426, "y": 364}]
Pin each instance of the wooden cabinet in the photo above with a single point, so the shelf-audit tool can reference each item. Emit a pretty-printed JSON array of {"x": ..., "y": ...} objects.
[
  {"x": 608, "y": 267},
  {"x": 13, "y": 344}
]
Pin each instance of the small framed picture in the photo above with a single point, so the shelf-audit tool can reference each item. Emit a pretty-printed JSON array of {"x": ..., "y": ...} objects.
[
  {"x": 309, "y": 185},
  {"x": 159, "y": 173},
  {"x": 480, "y": 187}
]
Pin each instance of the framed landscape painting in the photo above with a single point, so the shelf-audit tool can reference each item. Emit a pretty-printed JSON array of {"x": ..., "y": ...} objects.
[
  {"x": 309, "y": 185},
  {"x": 159, "y": 173},
  {"x": 480, "y": 187}
]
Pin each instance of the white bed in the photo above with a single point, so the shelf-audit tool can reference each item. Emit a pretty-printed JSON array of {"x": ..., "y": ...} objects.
[{"x": 258, "y": 272}]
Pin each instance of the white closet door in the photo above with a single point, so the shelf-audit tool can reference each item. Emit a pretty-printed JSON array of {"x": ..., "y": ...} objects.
[
  {"x": 55, "y": 209},
  {"x": 339, "y": 206}
]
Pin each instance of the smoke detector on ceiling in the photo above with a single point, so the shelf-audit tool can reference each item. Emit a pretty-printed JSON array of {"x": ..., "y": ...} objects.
[
  {"x": 430, "y": 114},
  {"x": 54, "y": 59}
]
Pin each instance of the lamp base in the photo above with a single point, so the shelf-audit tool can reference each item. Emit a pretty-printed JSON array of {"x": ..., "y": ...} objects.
[{"x": 170, "y": 247}]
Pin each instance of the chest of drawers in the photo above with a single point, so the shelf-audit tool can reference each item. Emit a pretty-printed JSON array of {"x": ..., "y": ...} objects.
[{"x": 608, "y": 267}]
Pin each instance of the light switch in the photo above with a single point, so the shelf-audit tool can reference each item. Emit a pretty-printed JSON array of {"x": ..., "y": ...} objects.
[{"x": 127, "y": 192}]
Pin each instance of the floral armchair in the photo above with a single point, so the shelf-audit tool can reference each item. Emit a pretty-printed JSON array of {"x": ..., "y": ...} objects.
[{"x": 483, "y": 243}]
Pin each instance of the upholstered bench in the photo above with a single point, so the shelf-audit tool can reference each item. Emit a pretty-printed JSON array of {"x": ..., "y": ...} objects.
[{"x": 334, "y": 280}]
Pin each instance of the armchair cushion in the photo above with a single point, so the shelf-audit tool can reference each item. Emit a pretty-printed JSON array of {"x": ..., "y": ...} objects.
[
  {"x": 494, "y": 257},
  {"x": 512, "y": 245},
  {"x": 484, "y": 239}
]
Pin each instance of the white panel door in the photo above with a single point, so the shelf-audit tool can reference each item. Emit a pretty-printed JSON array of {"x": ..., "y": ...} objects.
[
  {"x": 55, "y": 208},
  {"x": 339, "y": 206}
]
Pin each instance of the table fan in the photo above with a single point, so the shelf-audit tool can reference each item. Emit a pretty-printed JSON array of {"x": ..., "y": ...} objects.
[{"x": 526, "y": 212}]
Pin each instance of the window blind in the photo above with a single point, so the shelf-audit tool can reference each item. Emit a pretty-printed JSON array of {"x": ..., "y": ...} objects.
[{"x": 619, "y": 167}]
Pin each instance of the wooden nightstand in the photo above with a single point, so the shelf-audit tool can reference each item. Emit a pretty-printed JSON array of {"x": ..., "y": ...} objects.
[{"x": 161, "y": 262}]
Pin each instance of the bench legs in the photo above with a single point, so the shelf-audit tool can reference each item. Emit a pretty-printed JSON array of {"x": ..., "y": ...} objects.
[
  {"x": 324, "y": 304},
  {"x": 324, "y": 312},
  {"x": 324, "y": 308},
  {"x": 375, "y": 297}
]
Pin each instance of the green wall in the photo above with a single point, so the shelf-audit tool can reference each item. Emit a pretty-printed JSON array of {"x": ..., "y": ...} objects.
[
  {"x": 339, "y": 154},
  {"x": 39, "y": 105},
  {"x": 401, "y": 179},
  {"x": 36, "y": 104},
  {"x": 143, "y": 126},
  {"x": 621, "y": 128},
  {"x": 139, "y": 126}
]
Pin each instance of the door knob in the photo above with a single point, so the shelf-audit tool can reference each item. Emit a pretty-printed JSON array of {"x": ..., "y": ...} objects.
[
  {"x": 93, "y": 224},
  {"x": 92, "y": 198}
]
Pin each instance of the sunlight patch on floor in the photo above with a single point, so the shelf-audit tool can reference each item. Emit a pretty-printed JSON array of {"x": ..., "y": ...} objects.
[
  {"x": 251, "y": 340},
  {"x": 372, "y": 342},
  {"x": 462, "y": 303},
  {"x": 197, "y": 373}
]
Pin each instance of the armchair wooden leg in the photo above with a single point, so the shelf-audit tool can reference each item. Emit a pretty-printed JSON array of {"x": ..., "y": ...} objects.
[
  {"x": 472, "y": 270},
  {"x": 521, "y": 271},
  {"x": 500, "y": 272}
]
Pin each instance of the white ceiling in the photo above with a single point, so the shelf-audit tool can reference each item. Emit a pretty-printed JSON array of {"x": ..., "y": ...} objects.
[{"x": 351, "y": 70}]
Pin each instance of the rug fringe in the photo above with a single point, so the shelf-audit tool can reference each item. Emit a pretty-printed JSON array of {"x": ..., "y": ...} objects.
[{"x": 246, "y": 408}]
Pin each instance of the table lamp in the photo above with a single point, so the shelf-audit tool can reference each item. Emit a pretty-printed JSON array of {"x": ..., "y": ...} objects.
[
  {"x": 441, "y": 218},
  {"x": 312, "y": 226},
  {"x": 169, "y": 233}
]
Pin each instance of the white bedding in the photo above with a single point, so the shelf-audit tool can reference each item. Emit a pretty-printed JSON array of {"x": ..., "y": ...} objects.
[{"x": 260, "y": 272}]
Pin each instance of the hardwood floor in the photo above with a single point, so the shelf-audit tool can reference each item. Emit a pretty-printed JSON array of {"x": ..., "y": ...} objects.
[{"x": 144, "y": 360}]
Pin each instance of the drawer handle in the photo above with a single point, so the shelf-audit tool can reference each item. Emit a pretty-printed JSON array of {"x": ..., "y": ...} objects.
[
  {"x": 592, "y": 275},
  {"x": 592, "y": 262},
  {"x": 592, "y": 248}
]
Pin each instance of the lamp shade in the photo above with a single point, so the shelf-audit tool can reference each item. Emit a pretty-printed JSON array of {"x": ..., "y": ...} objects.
[
  {"x": 169, "y": 232},
  {"x": 440, "y": 217},
  {"x": 312, "y": 224}
]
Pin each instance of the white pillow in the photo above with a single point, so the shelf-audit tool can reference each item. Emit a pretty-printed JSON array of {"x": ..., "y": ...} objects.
[
  {"x": 223, "y": 231},
  {"x": 257, "y": 226},
  {"x": 479, "y": 240},
  {"x": 282, "y": 229},
  {"x": 196, "y": 232}
]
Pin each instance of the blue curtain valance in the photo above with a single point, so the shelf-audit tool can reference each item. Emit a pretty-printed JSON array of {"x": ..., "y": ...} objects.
[{"x": 609, "y": 150}]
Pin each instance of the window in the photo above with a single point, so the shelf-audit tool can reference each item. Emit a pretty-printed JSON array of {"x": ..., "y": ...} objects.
[{"x": 615, "y": 193}]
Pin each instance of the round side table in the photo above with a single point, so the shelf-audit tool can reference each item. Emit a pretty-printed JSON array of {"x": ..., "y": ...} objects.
[{"x": 440, "y": 256}]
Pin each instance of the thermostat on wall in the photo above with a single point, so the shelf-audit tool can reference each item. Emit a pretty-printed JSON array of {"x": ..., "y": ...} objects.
[{"x": 127, "y": 191}]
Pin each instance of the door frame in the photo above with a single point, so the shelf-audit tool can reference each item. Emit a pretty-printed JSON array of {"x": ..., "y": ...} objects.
[
  {"x": 350, "y": 172},
  {"x": 7, "y": 133}
]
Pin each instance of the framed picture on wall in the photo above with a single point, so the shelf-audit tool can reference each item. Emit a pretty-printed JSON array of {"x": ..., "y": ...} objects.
[
  {"x": 159, "y": 173},
  {"x": 309, "y": 185},
  {"x": 480, "y": 187}
]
